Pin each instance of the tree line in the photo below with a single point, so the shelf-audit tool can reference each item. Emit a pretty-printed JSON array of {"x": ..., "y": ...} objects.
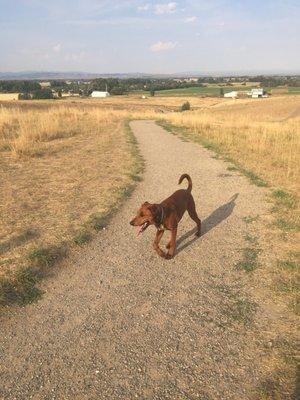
[
  {"x": 29, "y": 89},
  {"x": 114, "y": 86}
]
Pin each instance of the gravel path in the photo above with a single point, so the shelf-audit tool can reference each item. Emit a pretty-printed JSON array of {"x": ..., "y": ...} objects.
[{"x": 118, "y": 322}]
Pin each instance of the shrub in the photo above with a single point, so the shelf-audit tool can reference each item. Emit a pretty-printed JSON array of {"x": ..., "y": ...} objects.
[{"x": 185, "y": 106}]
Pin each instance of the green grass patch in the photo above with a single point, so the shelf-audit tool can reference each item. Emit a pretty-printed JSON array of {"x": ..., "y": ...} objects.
[
  {"x": 251, "y": 239},
  {"x": 285, "y": 205},
  {"x": 290, "y": 285},
  {"x": 46, "y": 256},
  {"x": 138, "y": 162},
  {"x": 236, "y": 307},
  {"x": 232, "y": 168},
  {"x": 289, "y": 265},
  {"x": 253, "y": 178},
  {"x": 209, "y": 90},
  {"x": 173, "y": 129},
  {"x": 283, "y": 200},
  {"x": 99, "y": 221},
  {"x": 21, "y": 288},
  {"x": 242, "y": 311},
  {"x": 82, "y": 238},
  {"x": 287, "y": 224},
  {"x": 250, "y": 260},
  {"x": 249, "y": 219}
]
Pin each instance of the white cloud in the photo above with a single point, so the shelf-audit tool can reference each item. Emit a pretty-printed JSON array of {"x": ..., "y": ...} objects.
[
  {"x": 75, "y": 56},
  {"x": 57, "y": 48},
  {"x": 190, "y": 20},
  {"x": 145, "y": 7},
  {"x": 165, "y": 8},
  {"x": 162, "y": 46}
]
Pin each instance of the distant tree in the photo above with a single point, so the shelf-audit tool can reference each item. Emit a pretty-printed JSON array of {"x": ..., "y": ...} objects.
[
  {"x": 117, "y": 90},
  {"x": 24, "y": 96},
  {"x": 59, "y": 93},
  {"x": 185, "y": 106},
  {"x": 221, "y": 92},
  {"x": 152, "y": 92},
  {"x": 42, "y": 94},
  {"x": 18, "y": 86},
  {"x": 58, "y": 83}
]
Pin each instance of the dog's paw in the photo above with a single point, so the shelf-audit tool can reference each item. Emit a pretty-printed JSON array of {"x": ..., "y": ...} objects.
[{"x": 168, "y": 256}]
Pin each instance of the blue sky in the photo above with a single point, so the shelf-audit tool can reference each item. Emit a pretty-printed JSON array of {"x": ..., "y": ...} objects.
[{"x": 149, "y": 36}]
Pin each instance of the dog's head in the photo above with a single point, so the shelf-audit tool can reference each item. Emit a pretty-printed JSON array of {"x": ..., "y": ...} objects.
[{"x": 147, "y": 215}]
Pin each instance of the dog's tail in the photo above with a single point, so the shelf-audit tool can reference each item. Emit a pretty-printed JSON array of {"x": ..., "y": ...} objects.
[{"x": 186, "y": 176}]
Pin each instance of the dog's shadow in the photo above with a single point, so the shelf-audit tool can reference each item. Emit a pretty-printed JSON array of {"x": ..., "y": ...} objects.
[{"x": 214, "y": 219}]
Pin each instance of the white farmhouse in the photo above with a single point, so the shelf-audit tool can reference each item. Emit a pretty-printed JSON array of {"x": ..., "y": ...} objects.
[
  {"x": 96, "y": 93},
  {"x": 256, "y": 93},
  {"x": 232, "y": 95}
]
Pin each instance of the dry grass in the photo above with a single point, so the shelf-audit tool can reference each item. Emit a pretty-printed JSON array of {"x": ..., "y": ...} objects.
[
  {"x": 62, "y": 169},
  {"x": 264, "y": 137},
  {"x": 8, "y": 96},
  {"x": 63, "y": 161}
]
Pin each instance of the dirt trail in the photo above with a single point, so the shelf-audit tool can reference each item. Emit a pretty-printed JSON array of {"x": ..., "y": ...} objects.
[{"x": 118, "y": 322}]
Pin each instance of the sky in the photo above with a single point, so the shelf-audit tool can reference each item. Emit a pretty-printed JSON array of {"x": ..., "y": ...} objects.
[{"x": 110, "y": 36}]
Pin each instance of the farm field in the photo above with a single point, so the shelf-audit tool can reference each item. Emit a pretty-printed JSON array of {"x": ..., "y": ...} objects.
[
  {"x": 213, "y": 90},
  {"x": 201, "y": 91},
  {"x": 58, "y": 172},
  {"x": 67, "y": 165}
]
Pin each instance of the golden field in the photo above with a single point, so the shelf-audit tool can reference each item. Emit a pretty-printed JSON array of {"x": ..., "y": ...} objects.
[
  {"x": 64, "y": 164},
  {"x": 62, "y": 169},
  {"x": 9, "y": 96},
  {"x": 263, "y": 136}
]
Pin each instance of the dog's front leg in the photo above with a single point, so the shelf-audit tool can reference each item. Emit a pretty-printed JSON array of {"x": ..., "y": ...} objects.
[
  {"x": 156, "y": 247},
  {"x": 172, "y": 244}
]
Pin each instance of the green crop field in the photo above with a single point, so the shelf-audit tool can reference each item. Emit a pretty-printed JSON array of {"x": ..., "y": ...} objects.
[
  {"x": 200, "y": 91},
  {"x": 294, "y": 90},
  {"x": 213, "y": 90}
]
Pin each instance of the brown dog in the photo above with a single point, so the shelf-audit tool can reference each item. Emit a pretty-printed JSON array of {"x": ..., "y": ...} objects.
[{"x": 167, "y": 215}]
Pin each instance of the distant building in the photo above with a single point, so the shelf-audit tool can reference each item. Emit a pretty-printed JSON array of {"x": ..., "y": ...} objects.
[
  {"x": 232, "y": 95},
  {"x": 256, "y": 93},
  {"x": 69, "y": 94},
  {"x": 96, "y": 93},
  {"x": 185, "y": 80},
  {"x": 45, "y": 84}
]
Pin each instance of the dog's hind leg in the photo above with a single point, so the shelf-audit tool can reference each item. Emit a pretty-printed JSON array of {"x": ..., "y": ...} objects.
[{"x": 191, "y": 208}]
